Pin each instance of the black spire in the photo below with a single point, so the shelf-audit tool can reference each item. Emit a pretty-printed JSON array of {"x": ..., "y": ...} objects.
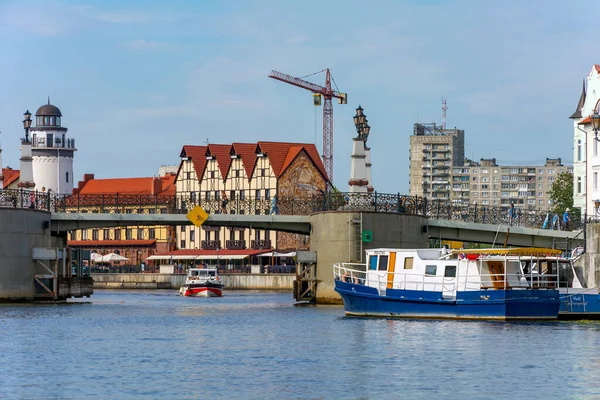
[{"x": 577, "y": 113}]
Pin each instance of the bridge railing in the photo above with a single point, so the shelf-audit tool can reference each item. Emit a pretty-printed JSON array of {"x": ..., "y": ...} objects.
[{"x": 332, "y": 201}]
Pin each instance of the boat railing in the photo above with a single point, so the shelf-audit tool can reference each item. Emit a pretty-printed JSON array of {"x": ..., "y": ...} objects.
[{"x": 357, "y": 274}]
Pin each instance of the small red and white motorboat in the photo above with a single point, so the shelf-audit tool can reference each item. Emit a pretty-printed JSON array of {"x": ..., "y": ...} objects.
[{"x": 202, "y": 282}]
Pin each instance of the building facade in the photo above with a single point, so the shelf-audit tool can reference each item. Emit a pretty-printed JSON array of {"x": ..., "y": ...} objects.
[
  {"x": 433, "y": 153},
  {"x": 586, "y": 159},
  {"x": 437, "y": 173},
  {"x": 147, "y": 195},
  {"x": 486, "y": 183},
  {"x": 245, "y": 178}
]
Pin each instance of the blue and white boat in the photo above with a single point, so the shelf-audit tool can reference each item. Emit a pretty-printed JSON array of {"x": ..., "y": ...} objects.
[{"x": 435, "y": 283}]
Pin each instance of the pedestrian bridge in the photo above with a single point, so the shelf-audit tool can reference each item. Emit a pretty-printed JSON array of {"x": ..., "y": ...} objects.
[{"x": 437, "y": 228}]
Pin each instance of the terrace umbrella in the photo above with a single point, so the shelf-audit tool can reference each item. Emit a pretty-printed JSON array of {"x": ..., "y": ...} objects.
[{"x": 111, "y": 257}]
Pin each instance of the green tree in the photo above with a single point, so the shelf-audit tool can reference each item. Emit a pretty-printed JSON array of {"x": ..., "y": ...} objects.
[{"x": 561, "y": 193}]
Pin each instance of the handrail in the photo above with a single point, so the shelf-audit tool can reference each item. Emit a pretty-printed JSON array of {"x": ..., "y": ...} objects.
[{"x": 531, "y": 280}]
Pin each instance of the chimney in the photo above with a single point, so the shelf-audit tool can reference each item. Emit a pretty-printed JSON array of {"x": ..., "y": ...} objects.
[{"x": 156, "y": 187}]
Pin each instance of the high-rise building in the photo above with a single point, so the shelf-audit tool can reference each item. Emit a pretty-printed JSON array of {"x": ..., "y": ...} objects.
[{"x": 433, "y": 153}]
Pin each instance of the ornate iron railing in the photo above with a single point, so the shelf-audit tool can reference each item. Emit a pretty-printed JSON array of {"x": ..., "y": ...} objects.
[{"x": 377, "y": 202}]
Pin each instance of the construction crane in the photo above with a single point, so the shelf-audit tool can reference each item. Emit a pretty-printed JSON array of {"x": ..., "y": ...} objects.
[{"x": 328, "y": 93}]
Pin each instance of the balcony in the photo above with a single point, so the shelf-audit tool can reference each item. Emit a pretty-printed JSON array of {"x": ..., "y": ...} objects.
[
  {"x": 260, "y": 244},
  {"x": 235, "y": 244},
  {"x": 210, "y": 244}
]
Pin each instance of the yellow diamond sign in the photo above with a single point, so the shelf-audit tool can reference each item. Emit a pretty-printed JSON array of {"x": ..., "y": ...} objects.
[{"x": 197, "y": 216}]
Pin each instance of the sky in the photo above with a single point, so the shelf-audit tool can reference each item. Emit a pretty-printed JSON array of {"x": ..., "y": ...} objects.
[{"x": 137, "y": 80}]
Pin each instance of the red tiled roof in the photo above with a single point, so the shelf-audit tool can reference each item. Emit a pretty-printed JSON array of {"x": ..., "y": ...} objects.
[
  {"x": 10, "y": 175},
  {"x": 584, "y": 121},
  {"x": 291, "y": 155},
  {"x": 222, "y": 153},
  {"x": 198, "y": 156},
  {"x": 224, "y": 252},
  {"x": 110, "y": 243},
  {"x": 128, "y": 186},
  {"x": 278, "y": 152},
  {"x": 597, "y": 66},
  {"x": 248, "y": 153}
]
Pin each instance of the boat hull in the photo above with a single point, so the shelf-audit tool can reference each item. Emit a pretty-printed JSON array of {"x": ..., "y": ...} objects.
[
  {"x": 579, "y": 304},
  {"x": 202, "y": 290},
  {"x": 360, "y": 300}
]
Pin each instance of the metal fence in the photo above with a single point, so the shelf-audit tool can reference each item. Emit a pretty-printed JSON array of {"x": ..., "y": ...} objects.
[{"x": 333, "y": 201}]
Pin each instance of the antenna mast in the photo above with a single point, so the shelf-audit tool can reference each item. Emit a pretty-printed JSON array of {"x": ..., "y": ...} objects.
[{"x": 444, "y": 108}]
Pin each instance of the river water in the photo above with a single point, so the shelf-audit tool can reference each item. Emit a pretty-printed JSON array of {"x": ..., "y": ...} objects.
[{"x": 257, "y": 345}]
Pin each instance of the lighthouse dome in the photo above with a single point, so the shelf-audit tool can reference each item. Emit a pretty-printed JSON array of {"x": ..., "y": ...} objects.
[{"x": 48, "y": 110}]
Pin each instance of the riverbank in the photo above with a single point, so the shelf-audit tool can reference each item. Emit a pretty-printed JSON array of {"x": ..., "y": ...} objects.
[{"x": 283, "y": 282}]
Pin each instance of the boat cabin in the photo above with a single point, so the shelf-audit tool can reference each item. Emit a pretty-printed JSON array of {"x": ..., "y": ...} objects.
[
  {"x": 202, "y": 274},
  {"x": 441, "y": 270}
]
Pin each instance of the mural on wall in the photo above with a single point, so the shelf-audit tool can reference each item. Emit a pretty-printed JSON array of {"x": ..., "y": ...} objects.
[{"x": 300, "y": 181}]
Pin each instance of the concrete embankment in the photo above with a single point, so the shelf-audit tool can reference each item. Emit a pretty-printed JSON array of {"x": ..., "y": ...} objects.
[{"x": 174, "y": 281}]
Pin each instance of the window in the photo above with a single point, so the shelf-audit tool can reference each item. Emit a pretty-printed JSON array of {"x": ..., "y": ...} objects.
[
  {"x": 383, "y": 263},
  {"x": 267, "y": 194},
  {"x": 373, "y": 263},
  {"x": 192, "y": 236},
  {"x": 232, "y": 195},
  {"x": 450, "y": 271},
  {"x": 579, "y": 150},
  {"x": 106, "y": 234},
  {"x": 207, "y": 196},
  {"x": 140, "y": 234},
  {"x": 84, "y": 234},
  {"x": 193, "y": 197},
  {"x": 262, "y": 172},
  {"x": 595, "y": 180},
  {"x": 95, "y": 234},
  {"x": 579, "y": 182},
  {"x": 117, "y": 234},
  {"x": 430, "y": 269},
  {"x": 212, "y": 174},
  {"x": 152, "y": 233},
  {"x": 550, "y": 171},
  {"x": 183, "y": 244},
  {"x": 128, "y": 211},
  {"x": 188, "y": 175},
  {"x": 408, "y": 263},
  {"x": 217, "y": 195},
  {"x": 128, "y": 234},
  {"x": 257, "y": 195},
  {"x": 242, "y": 194},
  {"x": 67, "y": 177}
]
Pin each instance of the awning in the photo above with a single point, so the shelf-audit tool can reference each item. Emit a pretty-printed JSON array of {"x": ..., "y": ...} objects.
[
  {"x": 200, "y": 257},
  {"x": 276, "y": 254}
]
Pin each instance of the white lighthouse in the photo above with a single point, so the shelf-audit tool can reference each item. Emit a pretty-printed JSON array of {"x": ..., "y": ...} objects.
[{"x": 52, "y": 151}]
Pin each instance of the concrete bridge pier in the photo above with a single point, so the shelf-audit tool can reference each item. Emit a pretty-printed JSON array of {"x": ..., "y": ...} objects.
[
  {"x": 34, "y": 262},
  {"x": 337, "y": 236}
]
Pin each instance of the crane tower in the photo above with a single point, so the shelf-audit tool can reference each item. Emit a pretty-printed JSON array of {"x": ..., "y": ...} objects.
[{"x": 328, "y": 94}]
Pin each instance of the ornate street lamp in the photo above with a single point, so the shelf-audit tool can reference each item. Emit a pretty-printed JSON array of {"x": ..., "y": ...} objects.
[
  {"x": 596, "y": 125},
  {"x": 597, "y": 205},
  {"x": 27, "y": 124}
]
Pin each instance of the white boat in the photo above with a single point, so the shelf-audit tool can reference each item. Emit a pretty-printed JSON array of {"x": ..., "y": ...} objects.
[
  {"x": 202, "y": 282},
  {"x": 435, "y": 283}
]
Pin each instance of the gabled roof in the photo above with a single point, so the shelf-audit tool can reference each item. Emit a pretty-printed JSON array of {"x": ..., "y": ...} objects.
[
  {"x": 248, "y": 153},
  {"x": 198, "y": 156},
  {"x": 277, "y": 152},
  {"x": 577, "y": 113},
  {"x": 584, "y": 121},
  {"x": 10, "y": 175},
  {"x": 128, "y": 186},
  {"x": 221, "y": 153}
]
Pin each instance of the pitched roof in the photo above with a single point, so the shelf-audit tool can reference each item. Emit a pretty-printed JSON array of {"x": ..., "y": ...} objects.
[
  {"x": 584, "y": 121},
  {"x": 248, "y": 153},
  {"x": 278, "y": 154},
  {"x": 577, "y": 113},
  {"x": 198, "y": 156},
  {"x": 221, "y": 153},
  {"x": 10, "y": 175},
  {"x": 128, "y": 186}
]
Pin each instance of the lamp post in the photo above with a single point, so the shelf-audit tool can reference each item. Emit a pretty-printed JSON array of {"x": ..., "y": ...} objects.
[
  {"x": 597, "y": 206},
  {"x": 27, "y": 124},
  {"x": 596, "y": 126},
  {"x": 361, "y": 124}
]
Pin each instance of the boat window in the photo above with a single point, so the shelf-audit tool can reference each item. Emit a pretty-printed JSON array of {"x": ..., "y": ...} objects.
[
  {"x": 408, "y": 263},
  {"x": 373, "y": 263},
  {"x": 383, "y": 262},
  {"x": 430, "y": 269},
  {"x": 450, "y": 271}
]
